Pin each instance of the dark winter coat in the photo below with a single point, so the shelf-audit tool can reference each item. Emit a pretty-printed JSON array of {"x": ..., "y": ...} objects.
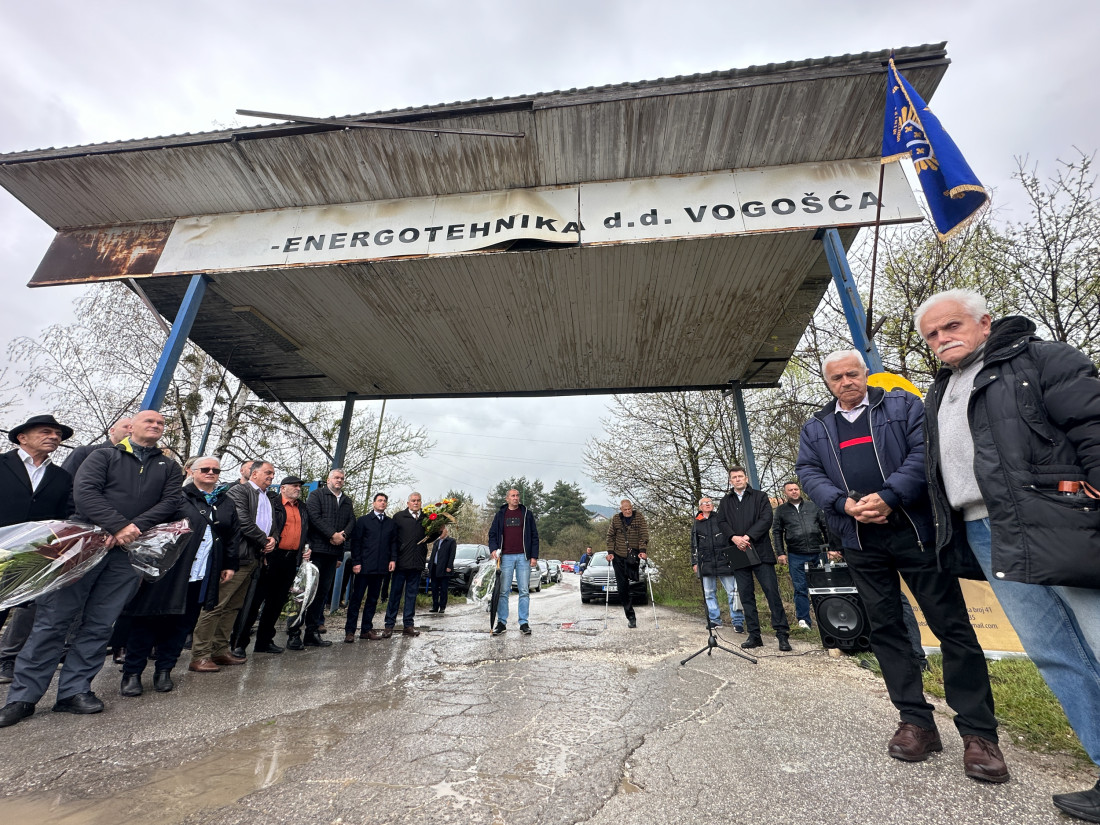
[
  {"x": 412, "y": 550},
  {"x": 442, "y": 557},
  {"x": 168, "y": 596},
  {"x": 113, "y": 488},
  {"x": 18, "y": 503},
  {"x": 897, "y": 420},
  {"x": 621, "y": 539},
  {"x": 246, "y": 499},
  {"x": 328, "y": 517},
  {"x": 708, "y": 547},
  {"x": 1035, "y": 418},
  {"x": 374, "y": 543},
  {"x": 530, "y": 532},
  {"x": 799, "y": 529},
  {"x": 75, "y": 458},
  {"x": 750, "y": 516}
]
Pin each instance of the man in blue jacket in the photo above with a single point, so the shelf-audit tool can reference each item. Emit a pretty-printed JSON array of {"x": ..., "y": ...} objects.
[
  {"x": 514, "y": 541},
  {"x": 861, "y": 458},
  {"x": 374, "y": 545}
]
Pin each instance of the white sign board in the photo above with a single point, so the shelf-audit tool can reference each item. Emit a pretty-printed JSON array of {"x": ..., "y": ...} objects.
[{"x": 783, "y": 198}]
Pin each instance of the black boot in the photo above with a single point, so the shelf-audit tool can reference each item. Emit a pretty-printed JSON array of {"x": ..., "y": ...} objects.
[
  {"x": 784, "y": 643},
  {"x": 313, "y": 639},
  {"x": 294, "y": 641},
  {"x": 753, "y": 641},
  {"x": 131, "y": 684},
  {"x": 162, "y": 681}
]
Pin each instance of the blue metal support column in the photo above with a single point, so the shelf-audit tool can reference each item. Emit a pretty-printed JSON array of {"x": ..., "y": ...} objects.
[
  {"x": 337, "y": 462},
  {"x": 173, "y": 347},
  {"x": 849, "y": 298},
  {"x": 746, "y": 439}
]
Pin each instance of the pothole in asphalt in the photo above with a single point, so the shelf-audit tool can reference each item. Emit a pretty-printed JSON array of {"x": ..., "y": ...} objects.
[{"x": 253, "y": 758}]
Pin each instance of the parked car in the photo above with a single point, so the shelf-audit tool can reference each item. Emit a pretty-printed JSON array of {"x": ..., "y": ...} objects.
[
  {"x": 534, "y": 584},
  {"x": 555, "y": 570},
  {"x": 569, "y": 566},
  {"x": 467, "y": 559},
  {"x": 598, "y": 582}
]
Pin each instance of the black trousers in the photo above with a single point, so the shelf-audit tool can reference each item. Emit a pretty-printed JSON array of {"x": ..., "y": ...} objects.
[
  {"x": 622, "y": 581},
  {"x": 272, "y": 591},
  {"x": 166, "y": 633},
  {"x": 769, "y": 584},
  {"x": 441, "y": 586},
  {"x": 326, "y": 575},
  {"x": 371, "y": 585},
  {"x": 889, "y": 551}
]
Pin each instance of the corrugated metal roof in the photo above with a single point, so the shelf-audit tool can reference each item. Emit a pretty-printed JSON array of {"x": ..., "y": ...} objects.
[{"x": 641, "y": 316}]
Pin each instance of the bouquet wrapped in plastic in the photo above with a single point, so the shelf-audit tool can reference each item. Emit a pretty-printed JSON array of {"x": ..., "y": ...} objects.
[
  {"x": 481, "y": 587},
  {"x": 302, "y": 592},
  {"x": 155, "y": 551},
  {"x": 38, "y": 557},
  {"x": 434, "y": 517}
]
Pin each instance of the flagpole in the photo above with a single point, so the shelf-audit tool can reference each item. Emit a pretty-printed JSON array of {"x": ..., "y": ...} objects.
[{"x": 874, "y": 248}]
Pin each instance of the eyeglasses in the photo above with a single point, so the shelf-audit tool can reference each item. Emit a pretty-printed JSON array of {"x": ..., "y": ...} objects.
[{"x": 215, "y": 470}]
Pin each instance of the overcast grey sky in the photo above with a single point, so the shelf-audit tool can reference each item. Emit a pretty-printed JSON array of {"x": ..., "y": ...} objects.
[{"x": 1022, "y": 82}]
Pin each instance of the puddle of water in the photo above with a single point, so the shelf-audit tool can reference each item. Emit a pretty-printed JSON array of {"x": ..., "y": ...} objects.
[{"x": 248, "y": 760}]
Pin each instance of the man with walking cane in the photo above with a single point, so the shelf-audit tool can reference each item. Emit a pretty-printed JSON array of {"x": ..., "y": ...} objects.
[{"x": 627, "y": 542}]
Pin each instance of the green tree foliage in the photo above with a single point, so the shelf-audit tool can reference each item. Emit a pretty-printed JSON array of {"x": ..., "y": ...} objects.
[{"x": 564, "y": 505}]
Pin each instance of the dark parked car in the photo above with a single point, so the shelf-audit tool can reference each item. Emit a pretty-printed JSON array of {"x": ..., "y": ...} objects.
[
  {"x": 598, "y": 582},
  {"x": 467, "y": 559}
]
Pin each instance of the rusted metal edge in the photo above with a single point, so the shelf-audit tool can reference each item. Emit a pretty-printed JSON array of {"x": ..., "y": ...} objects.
[{"x": 103, "y": 254}]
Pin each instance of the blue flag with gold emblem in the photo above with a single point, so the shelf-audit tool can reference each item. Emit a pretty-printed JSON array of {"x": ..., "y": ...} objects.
[{"x": 955, "y": 195}]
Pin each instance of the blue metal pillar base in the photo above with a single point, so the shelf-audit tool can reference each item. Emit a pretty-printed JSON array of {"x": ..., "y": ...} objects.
[
  {"x": 746, "y": 439},
  {"x": 849, "y": 298},
  {"x": 173, "y": 347}
]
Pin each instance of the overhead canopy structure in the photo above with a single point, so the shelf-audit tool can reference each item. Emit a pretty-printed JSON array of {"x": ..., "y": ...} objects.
[{"x": 643, "y": 236}]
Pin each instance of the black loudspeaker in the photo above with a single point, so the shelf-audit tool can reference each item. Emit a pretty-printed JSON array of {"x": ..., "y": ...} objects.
[{"x": 841, "y": 617}]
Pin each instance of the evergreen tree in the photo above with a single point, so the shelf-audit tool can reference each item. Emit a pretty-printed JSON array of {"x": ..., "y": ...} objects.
[{"x": 564, "y": 506}]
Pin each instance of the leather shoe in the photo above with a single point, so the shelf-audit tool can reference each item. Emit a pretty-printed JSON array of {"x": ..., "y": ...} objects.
[
  {"x": 1081, "y": 804},
  {"x": 313, "y": 639},
  {"x": 983, "y": 760},
  {"x": 203, "y": 666},
  {"x": 270, "y": 647},
  {"x": 349, "y": 638},
  {"x": 227, "y": 659},
  {"x": 295, "y": 643},
  {"x": 372, "y": 635},
  {"x": 119, "y": 656},
  {"x": 239, "y": 653},
  {"x": 631, "y": 622},
  {"x": 131, "y": 684},
  {"x": 912, "y": 743},
  {"x": 80, "y": 703},
  {"x": 785, "y": 644},
  {"x": 751, "y": 642},
  {"x": 162, "y": 681},
  {"x": 387, "y": 632},
  {"x": 7, "y": 672},
  {"x": 13, "y": 712},
  {"x": 410, "y": 631}
]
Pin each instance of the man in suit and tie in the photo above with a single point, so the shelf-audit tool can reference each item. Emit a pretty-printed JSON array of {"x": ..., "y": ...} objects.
[
  {"x": 408, "y": 569},
  {"x": 440, "y": 564},
  {"x": 32, "y": 488},
  {"x": 373, "y": 556}
]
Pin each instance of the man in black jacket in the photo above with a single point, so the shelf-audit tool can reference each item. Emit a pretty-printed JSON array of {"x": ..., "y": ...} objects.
[
  {"x": 798, "y": 535},
  {"x": 373, "y": 556},
  {"x": 32, "y": 488},
  {"x": 412, "y": 552},
  {"x": 331, "y": 520},
  {"x": 115, "y": 433},
  {"x": 1012, "y": 429},
  {"x": 745, "y": 519},
  {"x": 210, "y": 644},
  {"x": 440, "y": 564},
  {"x": 126, "y": 491}
]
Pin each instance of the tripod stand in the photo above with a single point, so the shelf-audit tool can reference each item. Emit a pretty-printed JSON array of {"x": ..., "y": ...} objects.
[{"x": 712, "y": 640}]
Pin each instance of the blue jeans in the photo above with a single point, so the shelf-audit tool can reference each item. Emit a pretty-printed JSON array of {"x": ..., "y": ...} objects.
[
  {"x": 710, "y": 591},
  {"x": 1049, "y": 626},
  {"x": 798, "y": 579},
  {"x": 518, "y": 564}
]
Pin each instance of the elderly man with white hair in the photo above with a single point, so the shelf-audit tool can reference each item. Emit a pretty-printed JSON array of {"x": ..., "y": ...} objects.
[
  {"x": 1013, "y": 436},
  {"x": 861, "y": 458}
]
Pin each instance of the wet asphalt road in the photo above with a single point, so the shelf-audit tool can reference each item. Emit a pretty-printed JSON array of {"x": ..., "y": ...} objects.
[{"x": 592, "y": 723}]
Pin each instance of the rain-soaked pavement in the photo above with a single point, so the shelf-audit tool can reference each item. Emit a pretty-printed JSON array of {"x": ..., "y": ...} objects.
[{"x": 591, "y": 723}]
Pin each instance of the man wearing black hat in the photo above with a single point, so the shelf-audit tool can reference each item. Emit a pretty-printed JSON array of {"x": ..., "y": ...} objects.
[
  {"x": 289, "y": 525},
  {"x": 32, "y": 488},
  {"x": 125, "y": 491}
]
